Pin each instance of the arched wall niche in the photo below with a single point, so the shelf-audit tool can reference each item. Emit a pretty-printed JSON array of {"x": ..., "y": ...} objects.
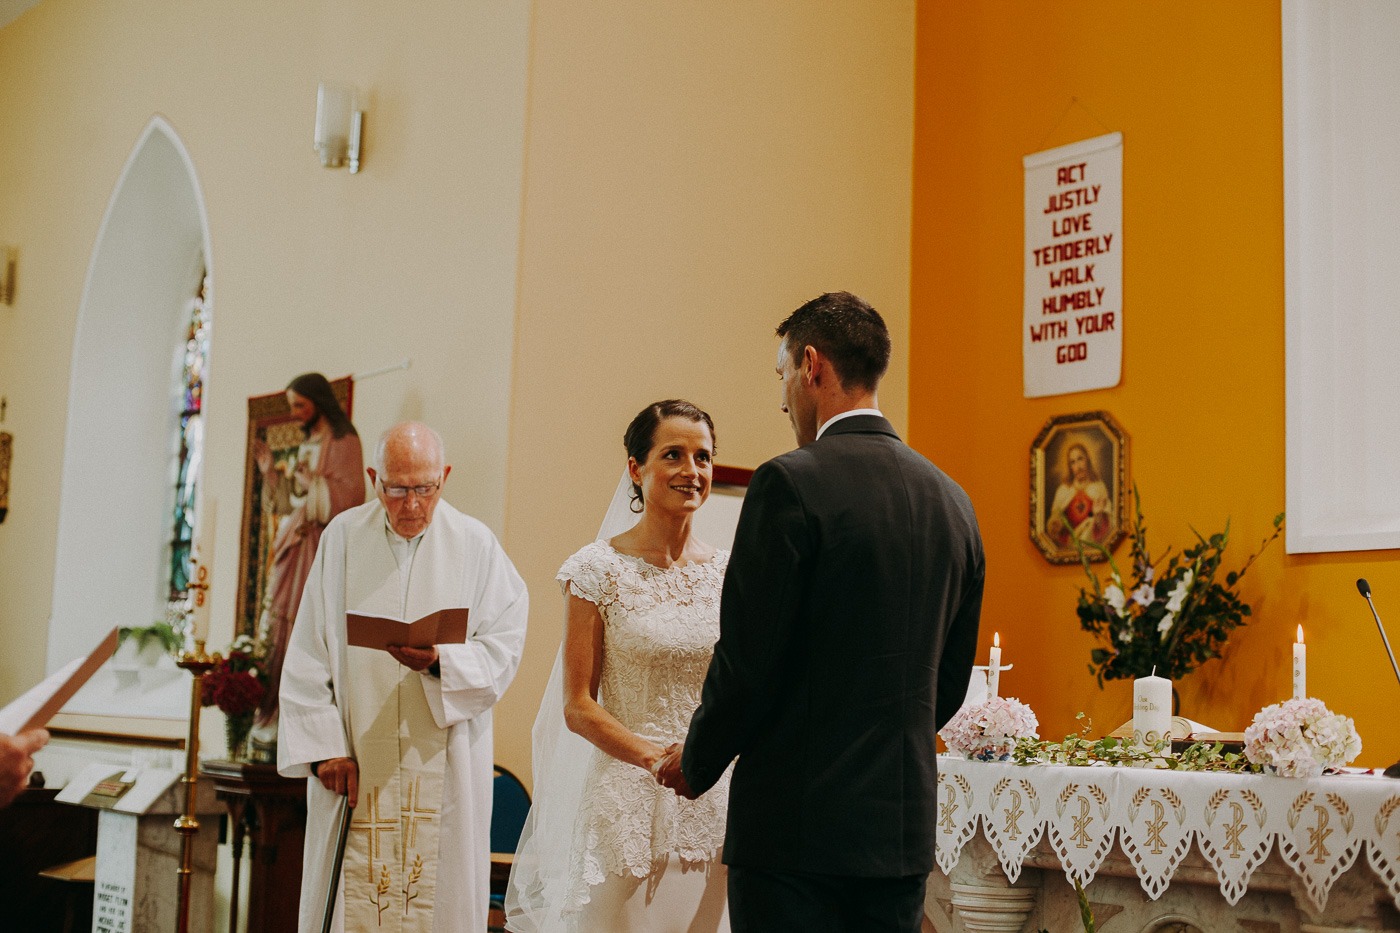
[{"x": 116, "y": 492}]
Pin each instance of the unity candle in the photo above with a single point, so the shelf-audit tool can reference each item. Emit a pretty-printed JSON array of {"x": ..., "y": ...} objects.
[
  {"x": 1152, "y": 710},
  {"x": 994, "y": 666},
  {"x": 1300, "y": 667}
]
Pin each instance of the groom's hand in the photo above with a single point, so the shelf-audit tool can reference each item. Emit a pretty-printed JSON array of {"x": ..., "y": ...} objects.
[{"x": 670, "y": 774}]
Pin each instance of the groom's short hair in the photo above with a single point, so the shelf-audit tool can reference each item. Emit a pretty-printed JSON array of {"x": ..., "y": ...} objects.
[{"x": 845, "y": 330}]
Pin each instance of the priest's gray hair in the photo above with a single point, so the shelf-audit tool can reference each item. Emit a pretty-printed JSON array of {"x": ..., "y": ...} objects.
[{"x": 415, "y": 431}]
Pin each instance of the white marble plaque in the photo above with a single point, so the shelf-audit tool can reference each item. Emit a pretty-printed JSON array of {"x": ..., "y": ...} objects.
[{"x": 115, "y": 880}]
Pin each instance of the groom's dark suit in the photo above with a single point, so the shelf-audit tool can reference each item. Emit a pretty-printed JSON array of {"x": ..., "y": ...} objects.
[{"x": 848, "y": 626}]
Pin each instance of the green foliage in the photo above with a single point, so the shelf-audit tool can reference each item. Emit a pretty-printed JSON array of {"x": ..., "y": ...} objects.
[
  {"x": 1175, "y": 615},
  {"x": 1081, "y": 751},
  {"x": 1085, "y": 913},
  {"x": 159, "y": 632}
]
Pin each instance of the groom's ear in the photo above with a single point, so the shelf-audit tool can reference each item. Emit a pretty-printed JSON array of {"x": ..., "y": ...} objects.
[{"x": 812, "y": 363}]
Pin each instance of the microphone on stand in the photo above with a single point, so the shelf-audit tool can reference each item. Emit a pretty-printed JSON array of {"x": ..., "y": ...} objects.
[{"x": 1365, "y": 589}]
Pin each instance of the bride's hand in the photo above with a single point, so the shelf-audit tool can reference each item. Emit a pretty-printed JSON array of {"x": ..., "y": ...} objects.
[
  {"x": 669, "y": 773},
  {"x": 653, "y": 757}
]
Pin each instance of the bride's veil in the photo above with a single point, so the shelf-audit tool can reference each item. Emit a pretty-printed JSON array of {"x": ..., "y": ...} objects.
[{"x": 540, "y": 875}]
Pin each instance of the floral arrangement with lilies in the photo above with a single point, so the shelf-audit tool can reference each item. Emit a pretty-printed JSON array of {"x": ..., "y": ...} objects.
[
  {"x": 1173, "y": 616},
  {"x": 988, "y": 731},
  {"x": 1301, "y": 738}
]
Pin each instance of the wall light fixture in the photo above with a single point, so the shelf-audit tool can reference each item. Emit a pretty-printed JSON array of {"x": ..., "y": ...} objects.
[{"x": 339, "y": 126}]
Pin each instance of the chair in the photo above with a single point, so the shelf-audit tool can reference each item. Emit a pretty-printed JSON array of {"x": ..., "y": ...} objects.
[{"x": 509, "y": 806}]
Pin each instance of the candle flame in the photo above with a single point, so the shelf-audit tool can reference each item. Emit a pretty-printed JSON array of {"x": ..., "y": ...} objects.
[
  {"x": 1300, "y": 634},
  {"x": 996, "y": 639}
]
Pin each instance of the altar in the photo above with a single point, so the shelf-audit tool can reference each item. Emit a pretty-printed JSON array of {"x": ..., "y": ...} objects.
[{"x": 1163, "y": 850}]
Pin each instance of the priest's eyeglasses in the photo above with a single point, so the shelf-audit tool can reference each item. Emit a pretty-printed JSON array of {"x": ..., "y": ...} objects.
[{"x": 401, "y": 492}]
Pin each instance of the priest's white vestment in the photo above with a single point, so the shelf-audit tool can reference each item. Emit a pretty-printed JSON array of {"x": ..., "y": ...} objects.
[{"x": 342, "y": 701}]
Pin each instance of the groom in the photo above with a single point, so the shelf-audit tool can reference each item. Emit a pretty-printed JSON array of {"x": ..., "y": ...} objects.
[{"x": 847, "y": 630}]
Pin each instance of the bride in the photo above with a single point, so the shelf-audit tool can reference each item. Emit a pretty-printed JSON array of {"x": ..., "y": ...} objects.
[{"x": 606, "y": 848}]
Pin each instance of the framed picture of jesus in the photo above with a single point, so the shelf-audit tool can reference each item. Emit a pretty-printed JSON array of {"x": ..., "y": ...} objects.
[
  {"x": 271, "y": 425},
  {"x": 1079, "y": 487}
]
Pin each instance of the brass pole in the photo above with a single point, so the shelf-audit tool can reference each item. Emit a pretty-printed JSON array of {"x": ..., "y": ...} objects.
[{"x": 187, "y": 824}]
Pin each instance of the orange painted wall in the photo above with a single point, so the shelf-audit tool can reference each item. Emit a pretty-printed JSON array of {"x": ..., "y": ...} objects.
[{"x": 1195, "y": 88}]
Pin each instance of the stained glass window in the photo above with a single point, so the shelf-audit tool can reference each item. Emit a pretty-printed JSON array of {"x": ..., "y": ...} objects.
[{"x": 190, "y": 391}]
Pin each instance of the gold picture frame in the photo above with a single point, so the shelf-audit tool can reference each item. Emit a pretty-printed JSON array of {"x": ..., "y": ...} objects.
[
  {"x": 269, "y": 421},
  {"x": 1079, "y": 487}
]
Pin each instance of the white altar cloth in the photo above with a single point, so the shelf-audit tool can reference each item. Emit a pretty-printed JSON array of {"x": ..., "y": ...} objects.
[{"x": 1320, "y": 827}]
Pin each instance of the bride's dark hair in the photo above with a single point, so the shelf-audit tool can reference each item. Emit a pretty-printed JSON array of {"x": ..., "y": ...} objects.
[{"x": 642, "y": 432}]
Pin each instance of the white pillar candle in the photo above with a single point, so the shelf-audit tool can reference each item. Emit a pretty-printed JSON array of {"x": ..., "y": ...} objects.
[
  {"x": 202, "y": 570},
  {"x": 1300, "y": 667},
  {"x": 1152, "y": 710},
  {"x": 994, "y": 666}
]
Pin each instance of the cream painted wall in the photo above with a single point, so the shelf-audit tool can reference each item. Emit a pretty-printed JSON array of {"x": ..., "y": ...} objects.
[
  {"x": 690, "y": 175},
  {"x": 694, "y": 173},
  {"x": 414, "y": 257}
]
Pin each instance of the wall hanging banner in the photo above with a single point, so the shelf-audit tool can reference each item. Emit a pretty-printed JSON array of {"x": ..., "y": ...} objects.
[{"x": 1072, "y": 339}]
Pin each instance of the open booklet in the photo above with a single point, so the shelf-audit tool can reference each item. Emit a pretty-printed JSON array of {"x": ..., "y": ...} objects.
[
  {"x": 444, "y": 627},
  {"x": 39, "y": 704}
]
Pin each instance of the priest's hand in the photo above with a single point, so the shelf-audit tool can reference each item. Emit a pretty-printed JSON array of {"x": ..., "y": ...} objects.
[
  {"x": 16, "y": 761},
  {"x": 669, "y": 773},
  {"x": 340, "y": 776},
  {"x": 415, "y": 659}
]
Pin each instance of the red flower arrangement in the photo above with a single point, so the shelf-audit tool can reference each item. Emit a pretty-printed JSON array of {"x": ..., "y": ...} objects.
[
  {"x": 236, "y": 685},
  {"x": 236, "y": 692}
]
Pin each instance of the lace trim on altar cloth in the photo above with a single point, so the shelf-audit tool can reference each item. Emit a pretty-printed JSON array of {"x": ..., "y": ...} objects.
[{"x": 1319, "y": 826}]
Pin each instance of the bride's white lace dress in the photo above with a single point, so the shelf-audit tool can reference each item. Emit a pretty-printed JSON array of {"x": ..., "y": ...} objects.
[{"x": 638, "y": 846}]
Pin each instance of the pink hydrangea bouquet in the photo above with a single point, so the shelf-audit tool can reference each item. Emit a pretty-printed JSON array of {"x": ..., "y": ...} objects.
[
  {"x": 988, "y": 731},
  {"x": 1301, "y": 738}
]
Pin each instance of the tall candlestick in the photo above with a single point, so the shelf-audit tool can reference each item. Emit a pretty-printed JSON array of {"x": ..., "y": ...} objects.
[
  {"x": 187, "y": 823},
  {"x": 994, "y": 666},
  {"x": 202, "y": 569},
  {"x": 1152, "y": 710},
  {"x": 1300, "y": 667}
]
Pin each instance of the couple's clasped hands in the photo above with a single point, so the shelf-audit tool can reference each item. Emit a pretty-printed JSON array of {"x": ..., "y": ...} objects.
[{"x": 667, "y": 770}]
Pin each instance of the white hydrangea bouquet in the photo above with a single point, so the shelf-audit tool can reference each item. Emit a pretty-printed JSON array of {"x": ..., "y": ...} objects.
[
  {"x": 988, "y": 731},
  {"x": 1301, "y": 738}
]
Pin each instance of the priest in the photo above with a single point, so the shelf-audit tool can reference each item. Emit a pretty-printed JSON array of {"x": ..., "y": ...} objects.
[{"x": 404, "y": 734}]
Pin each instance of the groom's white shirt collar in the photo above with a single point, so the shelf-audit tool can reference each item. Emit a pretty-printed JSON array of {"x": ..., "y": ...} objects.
[{"x": 847, "y": 414}]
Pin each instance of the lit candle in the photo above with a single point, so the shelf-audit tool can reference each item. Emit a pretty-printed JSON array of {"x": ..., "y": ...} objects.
[
  {"x": 1152, "y": 710},
  {"x": 201, "y": 570},
  {"x": 994, "y": 666},
  {"x": 1300, "y": 667}
]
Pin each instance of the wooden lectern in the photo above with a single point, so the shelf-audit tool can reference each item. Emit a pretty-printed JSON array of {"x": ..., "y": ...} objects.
[{"x": 271, "y": 811}]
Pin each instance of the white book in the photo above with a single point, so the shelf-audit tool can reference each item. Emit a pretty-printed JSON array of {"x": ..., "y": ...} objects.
[{"x": 39, "y": 704}]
